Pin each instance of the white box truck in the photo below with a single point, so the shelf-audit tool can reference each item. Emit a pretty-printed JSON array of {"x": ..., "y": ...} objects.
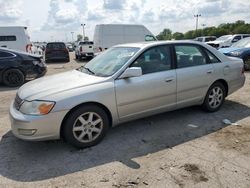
[
  {"x": 15, "y": 37},
  {"x": 107, "y": 35}
]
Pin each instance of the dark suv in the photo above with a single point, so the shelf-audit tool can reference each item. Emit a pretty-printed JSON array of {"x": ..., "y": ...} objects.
[
  {"x": 56, "y": 51},
  {"x": 17, "y": 66}
]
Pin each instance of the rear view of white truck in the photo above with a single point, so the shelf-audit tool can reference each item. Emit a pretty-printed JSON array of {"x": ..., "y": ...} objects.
[
  {"x": 15, "y": 37},
  {"x": 107, "y": 35},
  {"x": 84, "y": 49}
]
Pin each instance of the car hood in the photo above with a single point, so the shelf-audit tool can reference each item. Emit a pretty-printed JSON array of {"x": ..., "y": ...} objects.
[
  {"x": 228, "y": 50},
  {"x": 43, "y": 87}
]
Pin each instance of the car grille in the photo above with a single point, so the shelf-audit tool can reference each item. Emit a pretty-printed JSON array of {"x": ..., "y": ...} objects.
[{"x": 18, "y": 102}]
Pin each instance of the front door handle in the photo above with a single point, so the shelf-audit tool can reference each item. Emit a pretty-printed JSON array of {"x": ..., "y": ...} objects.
[{"x": 209, "y": 71}]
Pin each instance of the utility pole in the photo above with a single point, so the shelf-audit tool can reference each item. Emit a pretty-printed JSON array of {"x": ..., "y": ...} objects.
[
  {"x": 197, "y": 19},
  {"x": 72, "y": 33},
  {"x": 83, "y": 31},
  {"x": 203, "y": 26}
]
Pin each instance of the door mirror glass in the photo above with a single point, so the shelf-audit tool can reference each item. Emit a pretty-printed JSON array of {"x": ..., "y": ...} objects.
[
  {"x": 131, "y": 72},
  {"x": 149, "y": 38}
]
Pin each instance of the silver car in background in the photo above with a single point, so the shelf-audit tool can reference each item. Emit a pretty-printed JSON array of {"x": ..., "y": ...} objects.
[{"x": 124, "y": 83}]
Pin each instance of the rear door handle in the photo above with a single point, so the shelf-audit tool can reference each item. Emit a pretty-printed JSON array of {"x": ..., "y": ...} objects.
[{"x": 169, "y": 79}]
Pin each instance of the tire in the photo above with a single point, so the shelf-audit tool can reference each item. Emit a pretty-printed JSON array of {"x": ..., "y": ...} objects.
[
  {"x": 247, "y": 63},
  {"x": 13, "y": 77},
  {"x": 215, "y": 97},
  {"x": 78, "y": 127}
]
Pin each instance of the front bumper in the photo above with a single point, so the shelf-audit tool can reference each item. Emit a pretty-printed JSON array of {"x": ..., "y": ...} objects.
[
  {"x": 85, "y": 54},
  {"x": 36, "y": 128}
]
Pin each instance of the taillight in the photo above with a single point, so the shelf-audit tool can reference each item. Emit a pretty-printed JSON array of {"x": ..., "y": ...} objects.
[
  {"x": 65, "y": 49},
  {"x": 81, "y": 49}
]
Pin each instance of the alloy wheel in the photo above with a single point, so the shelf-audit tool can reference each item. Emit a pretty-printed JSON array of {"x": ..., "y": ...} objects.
[
  {"x": 87, "y": 127},
  {"x": 215, "y": 97}
]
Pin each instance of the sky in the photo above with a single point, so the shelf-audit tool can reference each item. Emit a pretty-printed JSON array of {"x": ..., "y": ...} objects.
[{"x": 56, "y": 19}]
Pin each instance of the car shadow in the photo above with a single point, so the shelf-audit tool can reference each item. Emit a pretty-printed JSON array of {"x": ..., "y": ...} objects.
[
  {"x": 57, "y": 61},
  {"x": 34, "y": 161},
  {"x": 6, "y": 88},
  {"x": 83, "y": 60}
]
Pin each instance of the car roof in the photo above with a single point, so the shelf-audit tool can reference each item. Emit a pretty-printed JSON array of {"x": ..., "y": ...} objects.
[
  {"x": 143, "y": 45},
  {"x": 155, "y": 43}
]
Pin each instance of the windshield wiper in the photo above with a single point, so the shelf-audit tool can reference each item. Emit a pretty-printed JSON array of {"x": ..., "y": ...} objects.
[{"x": 89, "y": 70}]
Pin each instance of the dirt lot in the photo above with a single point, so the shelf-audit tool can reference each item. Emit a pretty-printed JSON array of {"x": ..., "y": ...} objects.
[{"x": 184, "y": 148}]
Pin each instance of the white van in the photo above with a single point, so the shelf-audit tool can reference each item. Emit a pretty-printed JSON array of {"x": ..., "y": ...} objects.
[
  {"x": 15, "y": 37},
  {"x": 107, "y": 35}
]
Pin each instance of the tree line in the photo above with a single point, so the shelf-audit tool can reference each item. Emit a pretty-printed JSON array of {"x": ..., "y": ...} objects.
[{"x": 239, "y": 27}]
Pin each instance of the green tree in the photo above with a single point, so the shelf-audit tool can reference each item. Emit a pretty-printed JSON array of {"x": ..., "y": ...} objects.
[
  {"x": 178, "y": 36},
  {"x": 86, "y": 38},
  {"x": 166, "y": 34},
  {"x": 79, "y": 37},
  {"x": 239, "y": 27}
]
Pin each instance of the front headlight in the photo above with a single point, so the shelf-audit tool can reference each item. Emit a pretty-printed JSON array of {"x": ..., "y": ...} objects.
[
  {"x": 236, "y": 53},
  {"x": 36, "y": 107}
]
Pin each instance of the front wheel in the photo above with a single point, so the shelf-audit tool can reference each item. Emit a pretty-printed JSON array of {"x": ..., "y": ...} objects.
[
  {"x": 86, "y": 126},
  {"x": 215, "y": 97}
]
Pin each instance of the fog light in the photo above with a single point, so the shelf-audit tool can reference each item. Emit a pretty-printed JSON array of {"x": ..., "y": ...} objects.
[{"x": 27, "y": 132}]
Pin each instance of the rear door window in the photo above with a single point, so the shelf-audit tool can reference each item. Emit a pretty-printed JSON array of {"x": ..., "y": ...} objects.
[{"x": 189, "y": 55}]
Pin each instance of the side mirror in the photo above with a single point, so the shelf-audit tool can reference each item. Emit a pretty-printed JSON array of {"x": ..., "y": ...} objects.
[{"x": 131, "y": 72}]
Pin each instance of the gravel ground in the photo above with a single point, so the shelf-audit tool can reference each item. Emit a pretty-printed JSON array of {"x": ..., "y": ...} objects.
[{"x": 184, "y": 148}]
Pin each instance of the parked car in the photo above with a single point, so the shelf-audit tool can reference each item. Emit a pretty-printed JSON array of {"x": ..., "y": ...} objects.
[
  {"x": 84, "y": 49},
  {"x": 227, "y": 40},
  {"x": 17, "y": 66},
  {"x": 205, "y": 38},
  {"x": 124, "y": 83},
  {"x": 15, "y": 38},
  {"x": 107, "y": 35},
  {"x": 70, "y": 47},
  {"x": 56, "y": 51},
  {"x": 240, "y": 49}
]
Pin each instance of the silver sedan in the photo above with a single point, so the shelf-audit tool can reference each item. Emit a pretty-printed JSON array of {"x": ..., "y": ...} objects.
[{"x": 124, "y": 83}]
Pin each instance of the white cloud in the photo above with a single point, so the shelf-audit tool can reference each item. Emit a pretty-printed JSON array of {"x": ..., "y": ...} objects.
[
  {"x": 66, "y": 16},
  {"x": 114, "y": 4},
  {"x": 10, "y": 10},
  {"x": 60, "y": 17}
]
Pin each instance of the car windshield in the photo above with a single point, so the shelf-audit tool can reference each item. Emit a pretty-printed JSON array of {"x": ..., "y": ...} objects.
[
  {"x": 55, "y": 45},
  {"x": 224, "y": 37},
  {"x": 109, "y": 61},
  {"x": 243, "y": 43}
]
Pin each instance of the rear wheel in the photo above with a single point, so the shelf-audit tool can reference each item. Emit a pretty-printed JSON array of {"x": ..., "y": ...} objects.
[
  {"x": 13, "y": 77},
  {"x": 86, "y": 126},
  {"x": 215, "y": 97},
  {"x": 247, "y": 63}
]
